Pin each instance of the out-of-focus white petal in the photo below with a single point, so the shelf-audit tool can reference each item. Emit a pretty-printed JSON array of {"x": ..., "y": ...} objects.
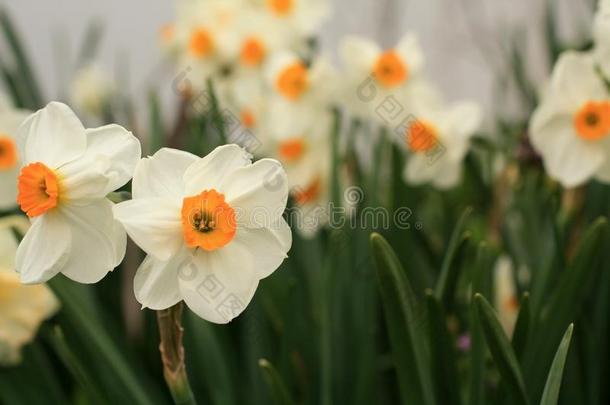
[
  {"x": 210, "y": 172},
  {"x": 45, "y": 249},
  {"x": 258, "y": 193},
  {"x": 410, "y": 51},
  {"x": 154, "y": 224},
  {"x": 53, "y": 135},
  {"x": 359, "y": 55},
  {"x": 576, "y": 80},
  {"x": 95, "y": 241},
  {"x": 156, "y": 282},
  {"x": 219, "y": 285},
  {"x": 108, "y": 163}
]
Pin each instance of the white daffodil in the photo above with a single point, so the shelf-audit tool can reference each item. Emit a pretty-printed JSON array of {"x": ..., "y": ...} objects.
[
  {"x": 257, "y": 38},
  {"x": 505, "y": 293},
  {"x": 67, "y": 171},
  {"x": 22, "y": 307},
  {"x": 296, "y": 19},
  {"x": 212, "y": 228},
  {"x": 91, "y": 90},
  {"x": 601, "y": 35},
  {"x": 438, "y": 137},
  {"x": 10, "y": 119},
  {"x": 300, "y": 93},
  {"x": 571, "y": 127},
  {"x": 374, "y": 76}
]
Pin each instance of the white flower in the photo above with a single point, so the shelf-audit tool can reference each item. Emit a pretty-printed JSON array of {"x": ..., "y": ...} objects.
[
  {"x": 505, "y": 293},
  {"x": 601, "y": 35},
  {"x": 22, "y": 308},
  {"x": 67, "y": 172},
  {"x": 373, "y": 75},
  {"x": 91, "y": 90},
  {"x": 438, "y": 137},
  {"x": 299, "y": 92},
  {"x": 571, "y": 127},
  {"x": 212, "y": 228},
  {"x": 297, "y": 18},
  {"x": 10, "y": 119}
]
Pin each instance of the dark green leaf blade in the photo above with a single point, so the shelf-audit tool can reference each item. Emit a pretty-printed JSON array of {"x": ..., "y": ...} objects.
[{"x": 550, "y": 396}]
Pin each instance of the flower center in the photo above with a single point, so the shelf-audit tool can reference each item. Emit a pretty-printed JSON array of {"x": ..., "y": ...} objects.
[
  {"x": 252, "y": 52},
  {"x": 281, "y": 7},
  {"x": 38, "y": 189},
  {"x": 201, "y": 44},
  {"x": 592, "y": 121},
  {"x": 208, "y": 222},
  {"x": 8, "y": 153},
  {"x": 390, "y": 70},
  {"x": 292, "y": 81},
  {"x": 248, "y": 119},
  {"x": 421, "y": 137},
  {"x": 291, "y": 149},
  {"x": 308, "y": 194}
]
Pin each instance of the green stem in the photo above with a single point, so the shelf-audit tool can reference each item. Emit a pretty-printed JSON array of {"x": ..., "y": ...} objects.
[{"x": 172, "y": 355}]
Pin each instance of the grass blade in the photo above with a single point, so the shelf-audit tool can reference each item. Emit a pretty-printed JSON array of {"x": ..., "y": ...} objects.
[
  {"x": 522, "y": 326},
  {"x": 550, "y": 396},
  {"x": 276, "y": 384}
]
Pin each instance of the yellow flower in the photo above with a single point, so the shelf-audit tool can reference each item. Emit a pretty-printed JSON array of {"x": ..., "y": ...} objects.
[{"x": 22, "y": 307}]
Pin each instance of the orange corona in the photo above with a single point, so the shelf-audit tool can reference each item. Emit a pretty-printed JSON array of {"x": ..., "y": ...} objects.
[
  {"x": 281, "y": 7},
  {"x": 291, "y": 149},
  {"x": 201, "y": 43},
  {"x": 292, "y": 81},
  {"x": 390, "y": 70},
  {"x": 252, "y": 52},
  {"x": 592, "y": 121},
  {"x": 38, "y": 189},
  {"x": 421, "y": 137},
  {"x": 308, "y": 194},
  {"x": 8, "y": 153},
  {"x": 208, "y": 222}
]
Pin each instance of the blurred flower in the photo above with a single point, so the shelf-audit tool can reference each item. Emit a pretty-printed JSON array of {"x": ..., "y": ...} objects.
[
  {"x": 374, "y": 73},
  {"x": 91, "y": 90},
  {"x": 296, "y": 18},
  {"x": 67, "y": 172},
  {"x": 22, "y": 308},
  {"x": 601, "y": 35},
  {"x": 506, "y": 301},
  {"x": 10, "y": 119},
  {"x": 570, "y": 128},
  {"x": 212, "y": 228},
  {"x": 438, "y": 137}
]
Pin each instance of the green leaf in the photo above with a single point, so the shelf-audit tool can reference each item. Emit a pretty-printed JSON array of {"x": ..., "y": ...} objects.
[
  {"x": 157, "y": 132},
  {"x": 276, "y": 384},
  {"x": 445, "y": 287},
  {"x": 91, "y": 43},
  {"x": 446, "y": 382},
  {"x": 522, "y": 326},
  {"x": 501, "y": 351},
  {"x": 404, "y": 326},
  {"x": 550, "y": 396}
]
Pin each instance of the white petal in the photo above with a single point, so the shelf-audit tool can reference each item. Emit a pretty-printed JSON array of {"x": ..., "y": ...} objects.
[
  {"x": 45, "y": 249},
  {"x": 154, "y": 224},
  {"x": 156, "y": 282},
  {"x": 219, "y": 285},
  {"x": 161, "y": 175},
  {"x": 108, "y": 163},
  {"x": 211, "y": 171},
  {"x": 448, "y": 175},
  {"x": 603, "y": 173},
  {"x": 53, "y": 135},
  {"x": 268, "y": 246},
  {"x": 96, "y": 242},
  {"x": 567, "y": 158},
  {"x": 359, "y": 55},
  {"x": 410, "y": 51},
  {"x": 418, "y": 170},
  {"x": 576, "y": 80},
  {"x": 258, "y": 193}
]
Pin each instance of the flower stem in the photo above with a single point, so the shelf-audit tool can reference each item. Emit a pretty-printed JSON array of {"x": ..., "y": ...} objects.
[{"x": 172, "y": 355}]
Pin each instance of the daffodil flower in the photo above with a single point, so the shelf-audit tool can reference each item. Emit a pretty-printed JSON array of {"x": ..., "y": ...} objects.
[
  {"x": 66, "y": 173},
  {"x": 10, "y": 119},
  {"x": 297, "y": 18},
  {"x": 91, "y": 90},
  {"x": 22, "y": 307},
  {"x": 438, "y": 137},
  {"x": 212, "y": 228},
  {"x": 571, "y": 127}
]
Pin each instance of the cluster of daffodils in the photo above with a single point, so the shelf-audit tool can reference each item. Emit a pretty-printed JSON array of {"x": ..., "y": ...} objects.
[
  {"x": 571, "y": 127},
  {"x": 212, "y": 226}
]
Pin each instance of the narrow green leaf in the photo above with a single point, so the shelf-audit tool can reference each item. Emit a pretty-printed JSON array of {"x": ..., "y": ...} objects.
[
  {"x": 218, "y": 120},
  {"x": 157, "y": 132},
  {"x": 446, "y": 382},
  {"x": 91, "y": 43},
  {"x": 522, "y": 326},
  {"x": 276, "y": 384},
  {"x": 404, "y": 325},
  {"x": 550, "y": 396},
  {"x": 501, "y": 351}
]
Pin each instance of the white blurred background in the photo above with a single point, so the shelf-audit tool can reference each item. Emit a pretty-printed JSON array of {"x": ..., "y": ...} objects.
[{"x": 465, "y": 41}]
